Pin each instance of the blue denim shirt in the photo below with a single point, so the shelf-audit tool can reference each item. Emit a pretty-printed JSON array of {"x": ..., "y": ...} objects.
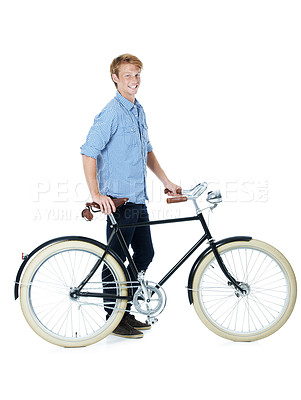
[{"x": 119, "y": 142}]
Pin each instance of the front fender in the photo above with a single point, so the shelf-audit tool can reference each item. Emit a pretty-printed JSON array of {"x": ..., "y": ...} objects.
[
  {"x": 61, "y": 239},
  {"x": 203, "y": 255}
]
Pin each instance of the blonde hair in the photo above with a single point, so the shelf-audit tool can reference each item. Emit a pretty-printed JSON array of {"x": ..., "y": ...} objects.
[{"x": 124, "y": 58}]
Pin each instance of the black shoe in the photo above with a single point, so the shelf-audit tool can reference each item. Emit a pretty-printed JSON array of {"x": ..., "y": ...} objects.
[
  {"x": 127, "y": 331},
  {"x": 131, "y": 320}
]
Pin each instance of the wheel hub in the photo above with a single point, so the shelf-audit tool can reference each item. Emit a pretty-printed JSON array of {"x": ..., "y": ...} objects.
[
  {"x": 73, "y": 293},
  {"x": 246, "y": 290}
]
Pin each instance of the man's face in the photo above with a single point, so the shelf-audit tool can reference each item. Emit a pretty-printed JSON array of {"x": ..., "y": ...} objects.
[{"x": 128, "y": 81}]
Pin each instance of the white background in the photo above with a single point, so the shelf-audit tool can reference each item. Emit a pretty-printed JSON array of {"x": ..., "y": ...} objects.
[{"x": 221, "y": 90}]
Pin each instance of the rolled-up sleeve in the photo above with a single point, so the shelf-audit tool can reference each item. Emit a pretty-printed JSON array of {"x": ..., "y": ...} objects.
[
  {"x": 105, "y": 125},
  {"x": 149, "y": 147}
]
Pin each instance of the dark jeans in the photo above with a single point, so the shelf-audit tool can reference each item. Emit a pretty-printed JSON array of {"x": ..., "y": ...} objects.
[{"x": 138, "y": 238}]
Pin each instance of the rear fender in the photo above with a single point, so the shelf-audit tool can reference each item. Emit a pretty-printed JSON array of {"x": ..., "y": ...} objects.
[
  {"x": 204, "y": 254},
  {"x": 61, "y": 239}
]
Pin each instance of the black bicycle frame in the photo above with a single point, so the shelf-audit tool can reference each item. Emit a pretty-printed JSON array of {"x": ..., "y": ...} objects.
[{"x": 117, "y": 231}]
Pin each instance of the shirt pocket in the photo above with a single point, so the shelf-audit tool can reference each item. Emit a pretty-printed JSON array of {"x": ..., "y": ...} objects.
[{"x": 130, "y": 136}]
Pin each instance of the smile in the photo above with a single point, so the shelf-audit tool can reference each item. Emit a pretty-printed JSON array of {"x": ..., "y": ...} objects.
[{"x": 133, "y": 87}]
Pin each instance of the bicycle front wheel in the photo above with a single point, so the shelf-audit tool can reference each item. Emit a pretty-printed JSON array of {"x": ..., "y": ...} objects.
[
  {"x": 269, "y": 294},
  {"x": 46, "y": 294}
]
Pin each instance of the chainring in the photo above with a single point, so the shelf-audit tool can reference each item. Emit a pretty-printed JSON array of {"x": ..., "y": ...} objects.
[{"x": 153, "y": 302}]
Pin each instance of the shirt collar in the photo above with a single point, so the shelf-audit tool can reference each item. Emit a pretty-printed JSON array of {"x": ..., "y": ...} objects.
[{"x": 128, "y": 104}]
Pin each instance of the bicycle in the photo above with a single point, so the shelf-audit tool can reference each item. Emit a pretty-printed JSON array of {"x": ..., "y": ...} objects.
[{"x": 242, "y": 289}]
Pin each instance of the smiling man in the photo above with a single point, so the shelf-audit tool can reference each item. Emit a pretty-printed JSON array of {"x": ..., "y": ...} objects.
[{"x": 116, "y": 155}]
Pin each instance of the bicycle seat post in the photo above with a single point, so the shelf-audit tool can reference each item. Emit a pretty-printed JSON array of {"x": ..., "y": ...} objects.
[{"x": 112, "y": 219}]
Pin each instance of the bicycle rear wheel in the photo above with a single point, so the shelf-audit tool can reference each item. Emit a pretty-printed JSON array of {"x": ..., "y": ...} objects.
[
  {"x": 46, "y": 289},
  {"x": 270, "y": 291}
]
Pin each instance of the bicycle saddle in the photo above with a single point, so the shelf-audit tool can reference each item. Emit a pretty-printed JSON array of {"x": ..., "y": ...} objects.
[{"x": 87, "y": 214}]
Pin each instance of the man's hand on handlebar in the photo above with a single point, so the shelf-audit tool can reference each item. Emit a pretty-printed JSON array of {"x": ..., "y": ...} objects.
[{"x": 172, "y": 189}]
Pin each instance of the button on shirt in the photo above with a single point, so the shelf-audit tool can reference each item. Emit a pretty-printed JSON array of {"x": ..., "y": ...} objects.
[{"x": 119, "y": 142}]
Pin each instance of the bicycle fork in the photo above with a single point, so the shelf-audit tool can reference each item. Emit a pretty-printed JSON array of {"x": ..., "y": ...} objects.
[{"x": 218, "y": 257}]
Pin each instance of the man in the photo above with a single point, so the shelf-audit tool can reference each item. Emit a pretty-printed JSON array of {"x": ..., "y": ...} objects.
[{"x": 116, "y": 155}]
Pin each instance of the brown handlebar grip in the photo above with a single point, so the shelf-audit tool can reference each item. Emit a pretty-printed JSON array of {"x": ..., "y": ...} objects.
[{"x": 178, "y": 199}]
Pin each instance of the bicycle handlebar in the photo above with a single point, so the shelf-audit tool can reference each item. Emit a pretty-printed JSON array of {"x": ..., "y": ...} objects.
[
  {"x": 193, "y": 193},
  {"x": 176, "y": 199}
]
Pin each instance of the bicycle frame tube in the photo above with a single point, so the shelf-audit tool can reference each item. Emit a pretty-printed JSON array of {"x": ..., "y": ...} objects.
[
  {"x": 160, "y": 222},
  {"x": 183, "y": 259},
  {"x": 132, "y": 266},
  {"x": 97, "y": 264},
  {"x": 117, "y": 231}
]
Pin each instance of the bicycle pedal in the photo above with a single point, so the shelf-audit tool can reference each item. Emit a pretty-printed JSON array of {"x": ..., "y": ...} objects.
[{"x": 152, "y": 320}]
